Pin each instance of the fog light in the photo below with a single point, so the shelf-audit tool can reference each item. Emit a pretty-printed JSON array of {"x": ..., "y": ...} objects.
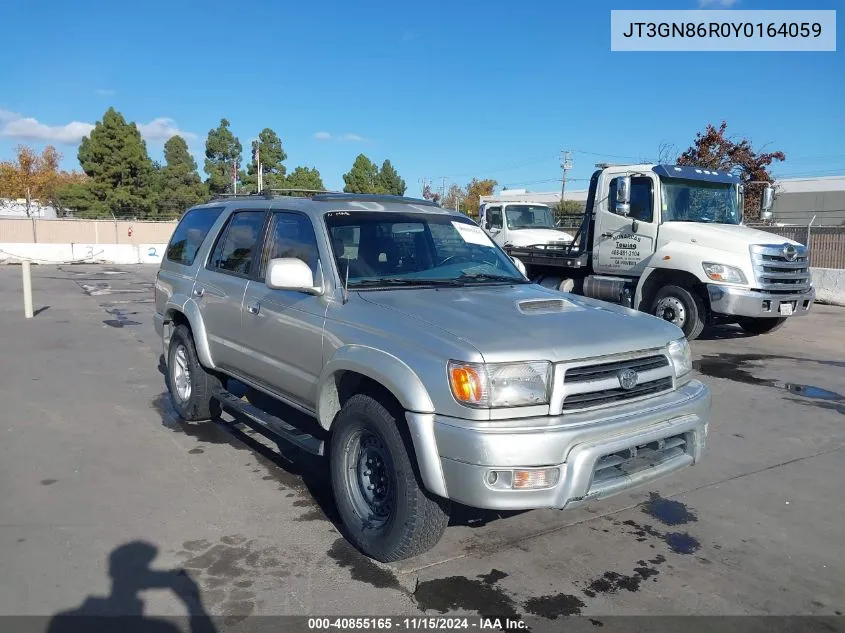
[
  {"x": 767, "y": 306},
  {"x": 492, "y": 477},
  {"x": 540, "y": 478}
]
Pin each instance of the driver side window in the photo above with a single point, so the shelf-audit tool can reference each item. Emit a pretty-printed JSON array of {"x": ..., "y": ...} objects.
[
  {"x": 495, "y": 217},
  {"x": 642, "y": 198}
]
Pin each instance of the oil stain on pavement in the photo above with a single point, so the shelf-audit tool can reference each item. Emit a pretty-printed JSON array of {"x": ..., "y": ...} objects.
[{"x": 738, "y": 368}]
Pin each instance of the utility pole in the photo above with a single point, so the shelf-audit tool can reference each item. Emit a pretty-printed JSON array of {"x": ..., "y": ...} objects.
[{"x": 565, "y": 165}]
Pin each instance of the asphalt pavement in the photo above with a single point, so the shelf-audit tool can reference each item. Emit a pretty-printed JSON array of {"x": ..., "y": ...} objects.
[{"x": 101, "y": 485}]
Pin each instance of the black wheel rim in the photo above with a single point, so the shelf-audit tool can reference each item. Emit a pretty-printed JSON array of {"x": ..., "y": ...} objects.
[{"x": 369, "y": 479}]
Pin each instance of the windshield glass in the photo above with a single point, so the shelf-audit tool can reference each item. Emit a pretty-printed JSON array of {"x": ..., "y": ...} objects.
[
  {"x": 379, "y": 249},
  {"x": 529, "y": 216},
  {"x": 699, "y": 201}
]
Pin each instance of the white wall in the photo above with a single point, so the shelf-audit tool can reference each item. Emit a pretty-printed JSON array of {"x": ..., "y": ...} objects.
[{"x": 14, "y": 253}]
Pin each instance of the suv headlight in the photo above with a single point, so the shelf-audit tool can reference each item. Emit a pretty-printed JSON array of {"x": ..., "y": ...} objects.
[
  {"x": 681, "y": 356},
  {"x": 721, "y": 272},
  {"x": 500, "y": 384}
]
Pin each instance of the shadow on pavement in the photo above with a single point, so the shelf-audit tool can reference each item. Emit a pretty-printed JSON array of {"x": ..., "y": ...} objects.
[{"x": 123, "y": 609}]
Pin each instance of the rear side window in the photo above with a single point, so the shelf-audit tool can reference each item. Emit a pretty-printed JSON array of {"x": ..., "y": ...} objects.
[
  {"x": 190, "y": 234},
  {"x": 236, "y": 247}
]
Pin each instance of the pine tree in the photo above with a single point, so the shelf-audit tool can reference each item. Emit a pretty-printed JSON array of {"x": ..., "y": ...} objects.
[
  {"x": 390, "y": 181},
  {"x": 119, "y": 170},
  {"x": 180, "y": 184},
  {"x": 271, "y": 154},
  {"x": 304, "y": 178},
  {"x": 222, "y": 151},
  {"x": 363, "y": 177}
]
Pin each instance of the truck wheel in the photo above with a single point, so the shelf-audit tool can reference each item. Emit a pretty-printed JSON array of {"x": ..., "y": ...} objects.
[
  {"x": 682, "y": 307},
  {"x": 190, "y": 384},
  {"x": 760, "y": 326},
  {"x": 384, "y": 508}
]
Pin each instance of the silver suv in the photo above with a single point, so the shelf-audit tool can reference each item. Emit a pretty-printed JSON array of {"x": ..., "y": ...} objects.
[{"x": 435, "y": 370}]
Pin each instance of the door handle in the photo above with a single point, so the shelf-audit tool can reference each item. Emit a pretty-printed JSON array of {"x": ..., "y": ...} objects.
[
  {"x": 198, "y": 292},
  {"x": 253, "y": 308},
  {"x": 607, "y": 234}
]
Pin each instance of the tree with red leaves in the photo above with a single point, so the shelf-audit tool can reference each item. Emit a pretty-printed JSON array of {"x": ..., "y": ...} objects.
[{"x": 712, "y": 149}]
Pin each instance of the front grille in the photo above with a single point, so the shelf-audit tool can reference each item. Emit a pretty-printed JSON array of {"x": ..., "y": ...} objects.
[
  {"x": 776, "y": 272},
  {"x": 591, "y": 385},
  {"x": 607, "y": 396},
  {"x": 606, "y": 370}
]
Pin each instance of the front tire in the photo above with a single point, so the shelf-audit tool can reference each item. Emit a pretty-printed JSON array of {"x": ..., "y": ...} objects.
[
  {"x": 380, "y": 498},
  {"x": 760, "y": 326},
  {"x": 681, "y": 306},
  {"x": 191, "y": 385}
]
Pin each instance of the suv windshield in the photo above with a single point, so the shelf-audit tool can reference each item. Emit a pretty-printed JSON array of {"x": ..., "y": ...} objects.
[
  {"x": 529, "y": 216},
  {"x": 699, "y": 201},
  {"x": 379, "y": 249}
]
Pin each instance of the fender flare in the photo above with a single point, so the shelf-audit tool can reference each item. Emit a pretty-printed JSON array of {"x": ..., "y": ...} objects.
[
  {"x": 191, "y": 311},
  {"x": 384, "y": 368}
]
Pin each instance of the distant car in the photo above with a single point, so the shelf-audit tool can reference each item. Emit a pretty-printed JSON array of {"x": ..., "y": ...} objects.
[{"x": 435, "y": 370}]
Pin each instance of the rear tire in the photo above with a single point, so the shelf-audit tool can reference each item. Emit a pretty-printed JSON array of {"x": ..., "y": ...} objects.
[
  {"x": 760, "y": 326},
  {"x": 681, "y": 306},
  {"x": 191, "y": 385},
  {"x": 386, "y": 511}
]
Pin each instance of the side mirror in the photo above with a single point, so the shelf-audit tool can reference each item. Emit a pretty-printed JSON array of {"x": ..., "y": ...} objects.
[
  {"x": 487, "y": 224},
  {"x": 623, "y": 195},
  {"x": 290, "y": 273},
  {"x": 520, "y": 266},
  {"x": 768, "y": 199}
]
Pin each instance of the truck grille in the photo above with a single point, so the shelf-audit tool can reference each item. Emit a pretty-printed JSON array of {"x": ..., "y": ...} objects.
[
  {"x": 596, "y": 384},
  {"x": 781, "y": 268}
]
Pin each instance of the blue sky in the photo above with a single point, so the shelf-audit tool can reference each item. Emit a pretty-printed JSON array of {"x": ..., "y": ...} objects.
[{"x": 456, "y": 89}]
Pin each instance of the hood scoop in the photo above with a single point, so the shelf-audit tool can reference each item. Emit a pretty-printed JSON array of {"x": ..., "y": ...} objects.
[{"x": 542, "y": 306}]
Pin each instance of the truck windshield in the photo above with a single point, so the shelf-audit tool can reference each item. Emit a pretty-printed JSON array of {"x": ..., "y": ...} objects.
[
  {"x": 384, "y": 249},
  {"x": 529, "y": 216},
  {"x": 700, "y": 201}
]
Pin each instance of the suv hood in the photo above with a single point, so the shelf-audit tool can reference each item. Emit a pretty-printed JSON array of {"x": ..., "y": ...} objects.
[
  {"x": 723, "y": 237},
  {"x": 529, "y": 237},
  {"x": 499, "y": 321}
]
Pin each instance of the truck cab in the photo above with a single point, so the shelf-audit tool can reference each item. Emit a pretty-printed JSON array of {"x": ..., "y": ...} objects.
[
  {"x": 670, "y": 240},
  {"x": 521, "y": 223}
]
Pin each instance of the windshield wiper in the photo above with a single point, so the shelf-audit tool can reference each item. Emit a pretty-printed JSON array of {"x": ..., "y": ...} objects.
[
  {"x": 491, "y": 277},
  {"x": 400, "y": 281}
]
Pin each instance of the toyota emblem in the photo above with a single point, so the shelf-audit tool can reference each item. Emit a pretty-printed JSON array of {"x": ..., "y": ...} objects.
[
  {"x": 789, "y": 252},
  {"x": 627, "y": 379}
]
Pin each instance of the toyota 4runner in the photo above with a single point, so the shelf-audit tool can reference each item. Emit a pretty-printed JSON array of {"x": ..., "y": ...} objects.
[{"x": 433, "y": 369}]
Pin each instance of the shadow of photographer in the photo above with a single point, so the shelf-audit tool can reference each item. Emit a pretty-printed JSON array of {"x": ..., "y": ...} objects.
[{"x": 123, "y": 609}]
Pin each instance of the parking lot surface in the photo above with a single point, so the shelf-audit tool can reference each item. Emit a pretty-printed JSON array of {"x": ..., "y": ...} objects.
[{"x": 99, "y": 481}]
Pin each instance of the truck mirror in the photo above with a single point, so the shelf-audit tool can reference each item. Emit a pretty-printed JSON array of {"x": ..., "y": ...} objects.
[
  {"x": 768, "y": 199},
  {"x": 623, "y": 195},
  {"x": 487, "y": 224}
]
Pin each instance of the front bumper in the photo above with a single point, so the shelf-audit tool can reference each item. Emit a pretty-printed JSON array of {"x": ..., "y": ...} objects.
[
  {"x": 588, "y": 449},
  {"x": 753, "y": 303}
]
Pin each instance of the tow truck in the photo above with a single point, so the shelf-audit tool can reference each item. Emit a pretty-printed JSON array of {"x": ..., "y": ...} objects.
[{"x": 670, "y": 240}]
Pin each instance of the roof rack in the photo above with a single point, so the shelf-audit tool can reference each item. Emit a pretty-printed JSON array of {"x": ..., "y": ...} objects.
[{"x": 371, "y": 197}]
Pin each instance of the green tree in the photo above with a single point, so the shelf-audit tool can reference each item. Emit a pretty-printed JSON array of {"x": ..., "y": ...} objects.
[
  {"x": 304, "y": 178},
  {"x": 222, "y": 152},
  {"x": 272, "y": 155},
  {"x": 180, "y": 186},
  {"x": 363, "y": 177},
  {"x": 390, "y": 181},
  {"x": 120, "y": 173}
]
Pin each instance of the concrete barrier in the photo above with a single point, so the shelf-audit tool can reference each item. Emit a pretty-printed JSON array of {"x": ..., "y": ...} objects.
[
  {"x": 830, "y": 285},
  {"x": 15, "y": 253}
]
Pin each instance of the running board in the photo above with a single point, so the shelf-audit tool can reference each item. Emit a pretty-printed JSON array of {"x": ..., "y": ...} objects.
[{"x": 235, "y": 406}]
